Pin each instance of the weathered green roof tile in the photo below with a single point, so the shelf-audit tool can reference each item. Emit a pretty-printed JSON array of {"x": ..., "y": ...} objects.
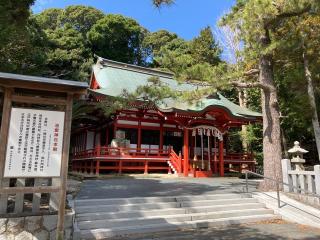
[{"x": 113, "y": 78}]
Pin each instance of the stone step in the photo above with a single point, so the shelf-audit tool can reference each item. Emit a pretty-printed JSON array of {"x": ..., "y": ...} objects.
[
  {"x": 123, "y": 201},
  {"x": 150, "y": 206},
  {"x": 168, "y": 211},
  {"x": 141, "y": 221},
  {"x": 103, "y": 233}
]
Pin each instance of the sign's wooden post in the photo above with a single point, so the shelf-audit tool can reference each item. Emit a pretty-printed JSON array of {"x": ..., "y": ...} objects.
[
  {"x": 64, "y": 167},
  {"x": 3, "y": 144}
]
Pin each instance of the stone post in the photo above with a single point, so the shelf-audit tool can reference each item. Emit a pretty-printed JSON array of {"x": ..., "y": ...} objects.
[
  {"x": 286, "y": 167},
  {"x": 317, "y": 178}
]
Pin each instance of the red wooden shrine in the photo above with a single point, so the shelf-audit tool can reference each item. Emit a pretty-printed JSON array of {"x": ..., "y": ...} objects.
[{"x": 188, "y": 139}]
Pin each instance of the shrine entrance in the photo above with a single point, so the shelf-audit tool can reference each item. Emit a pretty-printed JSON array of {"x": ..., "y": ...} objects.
[{"x": 205, "y": 148}]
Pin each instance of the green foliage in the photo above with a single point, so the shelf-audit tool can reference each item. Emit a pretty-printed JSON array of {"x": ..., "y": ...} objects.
[
  {"x": 189, "y": 60},
  {"x": 205, "y": 49},
  {"x": 21, "y": 38},
  {"x": 119, "y": 38},
  {"x": 68, "y": 53}
]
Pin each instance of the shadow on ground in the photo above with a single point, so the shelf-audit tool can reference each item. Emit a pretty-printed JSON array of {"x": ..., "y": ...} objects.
[
  {"x": 257, "y": 231},
  {"x": 142, "y": 187}
]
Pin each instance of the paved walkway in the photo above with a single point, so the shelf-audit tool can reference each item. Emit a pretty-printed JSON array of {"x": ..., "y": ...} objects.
[
  {"x": 155, "y": 187},
  {"x": 276, "y": 230},
  {"x": 148, "y": 187}
]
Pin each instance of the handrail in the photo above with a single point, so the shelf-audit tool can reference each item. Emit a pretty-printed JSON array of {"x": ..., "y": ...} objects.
[
  {"x": 247, "y": 172},
  {"x": 175, "y": 160}
]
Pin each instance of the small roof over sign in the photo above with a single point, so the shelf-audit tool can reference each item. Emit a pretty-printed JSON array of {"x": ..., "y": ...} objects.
[{"x": 41, "y": 83}]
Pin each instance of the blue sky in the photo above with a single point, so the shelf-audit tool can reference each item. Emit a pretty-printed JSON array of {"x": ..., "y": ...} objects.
[{"x": 185, "y": 17}]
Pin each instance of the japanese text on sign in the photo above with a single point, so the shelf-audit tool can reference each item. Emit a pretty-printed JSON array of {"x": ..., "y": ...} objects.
[{"x": 34, "y": 143}]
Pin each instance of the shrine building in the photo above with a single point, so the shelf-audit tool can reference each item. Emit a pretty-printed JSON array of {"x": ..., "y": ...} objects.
[{"x": 173, "y": 136}]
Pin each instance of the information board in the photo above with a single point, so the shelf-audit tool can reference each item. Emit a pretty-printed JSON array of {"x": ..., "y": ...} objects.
[{"x": 35, "y": 141}]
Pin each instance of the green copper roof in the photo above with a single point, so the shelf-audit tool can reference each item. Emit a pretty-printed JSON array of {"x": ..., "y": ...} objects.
[{"x": 113, "y": 78}]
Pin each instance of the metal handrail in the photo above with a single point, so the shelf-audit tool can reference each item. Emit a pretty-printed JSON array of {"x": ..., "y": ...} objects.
[{"x": 247, "y": 172}]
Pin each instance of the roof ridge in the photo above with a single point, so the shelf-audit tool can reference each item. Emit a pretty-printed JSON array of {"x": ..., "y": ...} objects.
[{"x": 132, "y": 67}]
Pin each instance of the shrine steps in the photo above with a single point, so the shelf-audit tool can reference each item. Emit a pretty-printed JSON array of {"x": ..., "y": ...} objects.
[{"x": 104, "y": 218}]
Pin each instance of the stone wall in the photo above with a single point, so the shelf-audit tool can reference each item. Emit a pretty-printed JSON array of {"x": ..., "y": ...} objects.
[
  {"x": 34, "y": 227},
  {"x": 309, "y": 200}
]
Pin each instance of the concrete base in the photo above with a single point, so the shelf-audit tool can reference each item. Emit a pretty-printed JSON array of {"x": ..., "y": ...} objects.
[
  {"x": 102, "y": 218},
  {"x": 290, "y": 209}
]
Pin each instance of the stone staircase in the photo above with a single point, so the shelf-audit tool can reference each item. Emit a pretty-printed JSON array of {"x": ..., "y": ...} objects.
[{"x": 104, "y": 218}]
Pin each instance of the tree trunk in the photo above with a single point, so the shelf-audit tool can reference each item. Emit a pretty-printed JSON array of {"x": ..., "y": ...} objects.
[
  {"x": 284, "y": 144},
  {"x": 242, "y": 94},
  {"x": 315, "y": 119},
  {"x": 271, "y": 122}
]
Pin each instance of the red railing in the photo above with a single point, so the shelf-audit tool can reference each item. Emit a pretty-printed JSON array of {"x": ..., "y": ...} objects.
[
  {"x": 176, "y": 161},
  {"x": 240, "y": 162},
  {"x": 121, "y": 152}
]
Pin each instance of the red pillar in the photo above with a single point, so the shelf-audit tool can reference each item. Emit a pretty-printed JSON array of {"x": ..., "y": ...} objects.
[
  {"x": 161, "y": 137},
  {"x": 120, "y": 167},
  {"x": 186, "y": 153},
  {"x": 221, "y": 160},
  {"x": 97, "y": 160},
  {"x": 139, "y": 136},
  {"x": 146, "y": 167}
]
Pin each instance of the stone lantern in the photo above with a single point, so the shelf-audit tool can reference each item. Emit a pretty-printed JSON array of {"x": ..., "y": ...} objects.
[{"x": 297, "y": 156}]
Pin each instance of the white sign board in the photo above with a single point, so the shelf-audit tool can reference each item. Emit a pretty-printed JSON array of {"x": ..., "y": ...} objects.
[{"x": 35, "y": 141}]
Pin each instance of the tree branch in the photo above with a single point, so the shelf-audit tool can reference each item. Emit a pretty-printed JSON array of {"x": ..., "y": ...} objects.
[
  {"x": 287, "y": 15},
  {"x": 251, "y": 85},
  {"x": 251, "y": 72}
]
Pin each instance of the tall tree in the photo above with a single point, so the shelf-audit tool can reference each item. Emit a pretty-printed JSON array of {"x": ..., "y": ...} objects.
[
  {"x": 301, "y": 50},
  {"x": 69, "y": 53},
  {"x": 178, "y": 55},
  {"x": 257, "y": 21},
  {"x": 205, "y": 48},
  {"x": 119, "y": 38},
  {"x": 21, "y": 39},
  {"x": 310, "y": 31}
]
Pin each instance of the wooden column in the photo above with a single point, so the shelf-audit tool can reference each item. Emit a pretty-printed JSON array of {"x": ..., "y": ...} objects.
[
  {"x": 107, "y": 136},
  {"x": 120, "y": 167},
  {"x": 161, "y": 137},
  {"x": 215, "y": 163},
  {"x": 221, "y": 160},
  {"x": 114, "y": 129},
  {"x": 64, "y": 167},
  {"x": 186, "y": 153},
  {"x": 94, "y": 138},
  {"x": 139, "y": 135},
  {"x": 7, "y": 103},
  {"x": 85, "y": 139},
  {"x": 146, "y": 167}
]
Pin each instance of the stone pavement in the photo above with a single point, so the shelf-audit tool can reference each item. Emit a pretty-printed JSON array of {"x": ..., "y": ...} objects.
[
  {"x": 274, "y": 230},
  {"x": 130, "y": 187},
  {"x": 156, "y": 187}
]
